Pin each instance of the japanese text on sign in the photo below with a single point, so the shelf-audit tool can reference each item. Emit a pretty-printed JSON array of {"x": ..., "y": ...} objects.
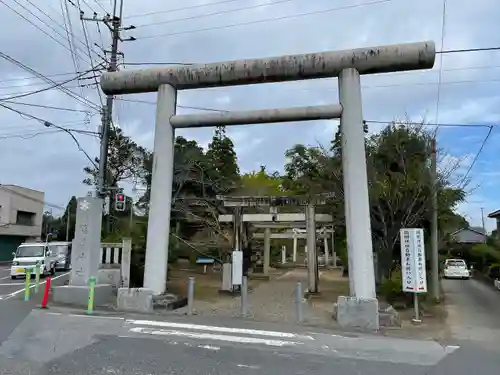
[{"x": 413, "y": 260}]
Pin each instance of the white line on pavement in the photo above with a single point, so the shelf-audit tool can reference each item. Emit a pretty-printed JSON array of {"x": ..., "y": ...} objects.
[
  {"x": 32, "y": 286},
  {"x": 13, "y": 284},
  {"x": 5, "y": 277},
  {"x": 253, "y": 367},
  {"x": 96, "y": 316},
  {"x": 210, "y": 336},
  {"x": 216, "y": 329}
]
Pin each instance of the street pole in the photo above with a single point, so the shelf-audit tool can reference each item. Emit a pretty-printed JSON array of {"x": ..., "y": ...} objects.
[
  {"x": 434, "y": 225},
  {"x": 131, "y": 218},
  {"x": 482, "y": 220}
]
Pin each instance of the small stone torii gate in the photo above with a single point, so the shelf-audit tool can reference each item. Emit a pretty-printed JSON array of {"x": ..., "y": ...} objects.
[
  {"x": 310, "y": 217},
  {"x": 347, "y": 65}
]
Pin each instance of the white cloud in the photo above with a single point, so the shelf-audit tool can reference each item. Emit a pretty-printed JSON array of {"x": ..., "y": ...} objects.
[{"x": 385, "y": 96}]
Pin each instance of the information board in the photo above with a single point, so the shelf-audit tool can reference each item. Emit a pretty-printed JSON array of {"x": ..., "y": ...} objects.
[{"x": 413, "y": 271}]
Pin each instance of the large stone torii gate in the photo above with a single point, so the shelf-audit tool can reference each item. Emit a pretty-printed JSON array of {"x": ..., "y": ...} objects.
[{"x": 347, "y": 65}]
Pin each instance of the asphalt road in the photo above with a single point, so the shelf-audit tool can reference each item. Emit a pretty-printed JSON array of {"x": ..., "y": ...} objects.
[
  {"x": 14, "y": 289},
  {"x": 473, "y": 311},
  {"x": 62, "y": 343},
  {"x": 59, "y": 341}
]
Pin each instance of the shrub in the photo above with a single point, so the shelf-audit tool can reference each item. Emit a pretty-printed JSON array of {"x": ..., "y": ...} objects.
[
  {"x": 494, "y": 271},
  {"x": 391, "y": 288}
]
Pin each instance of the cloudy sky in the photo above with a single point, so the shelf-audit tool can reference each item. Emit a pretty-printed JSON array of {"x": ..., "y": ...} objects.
[{"x": 199, "y": 31}]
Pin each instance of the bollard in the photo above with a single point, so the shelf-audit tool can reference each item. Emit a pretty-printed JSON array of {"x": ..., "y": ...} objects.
[
  {"x": 45, "y": 299},
  {"x": 298, "y": 302},
  {"x": 90, "y": 305},
  {"x": 27, "y": 286},
  {"x": 37, "y": 277},
  {"x": 190, "y": 296},
  {"x": 244, "y": 295}
]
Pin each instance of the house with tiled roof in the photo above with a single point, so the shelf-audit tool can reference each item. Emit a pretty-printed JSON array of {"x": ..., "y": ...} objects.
[
  {"x": 471, "y": 235},
  {"x": 496, "y": 215}
]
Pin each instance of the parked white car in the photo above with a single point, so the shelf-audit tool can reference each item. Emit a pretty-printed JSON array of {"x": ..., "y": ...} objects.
[
  {"x": 27, "y": 255},
  {"x": 456, "y": 269}
]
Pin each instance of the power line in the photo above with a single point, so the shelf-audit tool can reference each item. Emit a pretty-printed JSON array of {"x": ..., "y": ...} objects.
[
  {"x": 476, "y": 157},
  {"x": 368, "y": 121},
  {"x": 68, "y": 26},
  {"x": 32, "y": 134},
  {"x": 18, "y": 92},
  {"x": 375, "y": 2},
  {"x": 36, "y": 77},
  {"x": 482, "y": 49},
  {"x": 54, "y": 86},
  {"x": 180, "y": 106},
  {"x": 183, "y": 8},
  {"x": 75, "y": 96},
  {"x": 31, "y": 126},
  {"x": 277, "y": 2},
  {"x": 46, "y": 106},
  {"x": 31, "y": 198},
  {"x": 35, "y": 25},
  {"x": 50, "y": 124},
  {"x": 496, "y": 81},
  {"x": 156, "y": 63},
  {"x": 479, "y": 67},
  {"x": 429, "y": 124},
  {"x": 68, "y": 33},
  {"x": 85, "y": 34},
  {"x": 440, "y": 76}
]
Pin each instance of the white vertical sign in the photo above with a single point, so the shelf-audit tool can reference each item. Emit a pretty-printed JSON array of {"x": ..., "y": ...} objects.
[
  {"x": 414, "y": 278},
  {"x": 237, "y": 267}
]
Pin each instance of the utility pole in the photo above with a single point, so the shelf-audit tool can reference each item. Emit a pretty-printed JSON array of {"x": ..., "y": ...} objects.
[
  {"x": 434, "y": 224},
  {"x": 114, "y": 24},
  {"x": 482, "y": 220}
]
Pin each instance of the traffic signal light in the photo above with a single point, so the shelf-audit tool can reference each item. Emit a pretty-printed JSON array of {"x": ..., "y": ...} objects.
[{"x": 120, "y": 202}]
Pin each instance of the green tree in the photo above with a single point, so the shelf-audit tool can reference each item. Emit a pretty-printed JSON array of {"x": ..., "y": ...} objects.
[
  {"x": 261, "y": 183},
  {"x": 50, "y": 225},
  {"x": 125, "y": 160},
  {"x": 400, "y": 186},
  {"x": 69, "y": 213},
  {"x": 222, "y": 164}
]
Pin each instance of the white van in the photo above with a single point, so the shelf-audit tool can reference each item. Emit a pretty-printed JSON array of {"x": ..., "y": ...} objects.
[{"x": 27, "y": 255}]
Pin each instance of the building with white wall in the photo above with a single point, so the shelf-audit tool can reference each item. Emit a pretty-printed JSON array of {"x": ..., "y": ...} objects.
[{"x": 21, "y": 215}]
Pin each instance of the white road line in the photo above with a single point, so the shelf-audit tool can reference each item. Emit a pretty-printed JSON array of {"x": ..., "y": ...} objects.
[
  {"x": 32, "y": 286},
  {"x": 284, "y": 275},
  {"x": 5, "y": 277},
  {"x": 9, "y": 284},
  {"x": 253, "y": 367},
  {"x": 96, "y": 317},
  {"x": 451, "y": 348},
  {"x": 210, "y": 336},
  {"x": 209, "y": 347},
  {"x": 216, "y": 329}
]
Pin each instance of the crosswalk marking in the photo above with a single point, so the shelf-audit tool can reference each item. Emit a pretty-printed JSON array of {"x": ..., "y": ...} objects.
[
  {"x": 213, "y": 336},
  {"x": 198, "y": 327},
  {"x": 216, "y": 333}
]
